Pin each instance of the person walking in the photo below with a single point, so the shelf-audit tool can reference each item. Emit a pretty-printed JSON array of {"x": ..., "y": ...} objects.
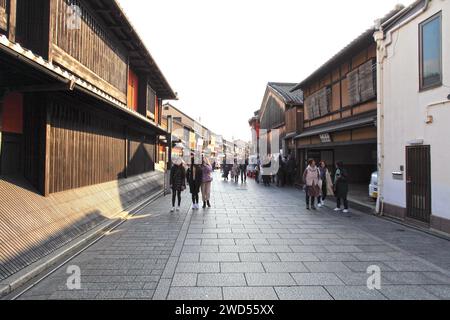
[
  {"x": 225, "y": 169},
  {"x": 290, "y": 171},
  {"x": 177, "y": 182},
  {"x": 311, "y": 178},
  {"x": 243, "y": 170},
  {"x": 327, "y": 183},
  {"x": 194, "y": 178},
  {"x": 341, "y": 187},
  {"x": 266, "y": 168},
  {"x": 281, "y": 174},
  {"x": 206, "y": 182},
  {"x": 235, "y": 172}
]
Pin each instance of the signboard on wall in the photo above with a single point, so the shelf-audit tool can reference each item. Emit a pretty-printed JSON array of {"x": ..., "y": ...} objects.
[{"x": 325, "y": 138}]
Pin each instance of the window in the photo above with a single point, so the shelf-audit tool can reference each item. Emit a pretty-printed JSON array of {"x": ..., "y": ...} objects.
[
  {"x": 431, "y": 52},
  {"x": 151, "y": 103}
]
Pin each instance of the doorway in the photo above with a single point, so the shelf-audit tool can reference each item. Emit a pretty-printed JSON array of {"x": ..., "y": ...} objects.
[{"x": 418, "y": 183}]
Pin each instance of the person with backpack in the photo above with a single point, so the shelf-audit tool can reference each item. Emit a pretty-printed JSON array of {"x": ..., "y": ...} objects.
[
  {"x": 311, "y": 179},
  {"x": 341, "y": 187},
  {"x": 243, "y": 170},
  {"x": 177, "y": 182}
]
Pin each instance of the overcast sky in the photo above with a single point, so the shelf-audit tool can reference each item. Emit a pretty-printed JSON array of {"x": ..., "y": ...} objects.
[{"x": 220, "y": 54}]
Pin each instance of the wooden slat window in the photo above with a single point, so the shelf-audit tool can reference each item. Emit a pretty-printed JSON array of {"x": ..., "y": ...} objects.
[
  {"x": 318, "y": 104},
  {"x": 151, "y": 104},
  {"x": 80, "y": 34},
  {"x": 362, "y": 83}
]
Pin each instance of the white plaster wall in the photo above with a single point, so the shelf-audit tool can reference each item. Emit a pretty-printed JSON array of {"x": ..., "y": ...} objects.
[{"x": 406, "y": 112}]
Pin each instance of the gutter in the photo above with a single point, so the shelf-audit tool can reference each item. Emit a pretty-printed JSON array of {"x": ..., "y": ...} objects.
[{"x": 383, "y": 41}]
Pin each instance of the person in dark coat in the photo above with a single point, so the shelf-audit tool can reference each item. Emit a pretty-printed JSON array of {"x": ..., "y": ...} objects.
[
  {"x": 341, "y": 186},
  {"x": 194, "y": 179},
  {"x": 290, "y": 171},
  {"x": 243, "y": 170},
  {"x": 177, "y": 182}
]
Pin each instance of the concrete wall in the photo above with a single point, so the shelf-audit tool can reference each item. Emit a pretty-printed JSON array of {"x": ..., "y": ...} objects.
[{"x": 406, "y": 110}]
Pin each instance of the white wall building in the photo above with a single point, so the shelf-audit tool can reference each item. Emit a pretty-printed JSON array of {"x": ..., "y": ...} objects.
[{"x": 414, "y": 115}]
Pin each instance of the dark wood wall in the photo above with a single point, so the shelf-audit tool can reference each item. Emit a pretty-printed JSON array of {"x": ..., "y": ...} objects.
[
  {"x": 32, "y": 29},
  {"x": 79, "y": 36},
  {"x": 68, "y": 144},
  {"x": 34, "y": 132}
]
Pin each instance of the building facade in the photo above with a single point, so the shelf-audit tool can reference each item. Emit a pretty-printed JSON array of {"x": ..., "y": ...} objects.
[
  {"x": 414, "y": 101},
  {"x": 340, "y": 111},
  {"x": 278, "y": 104},
  {"x": 80, "y": 109}
]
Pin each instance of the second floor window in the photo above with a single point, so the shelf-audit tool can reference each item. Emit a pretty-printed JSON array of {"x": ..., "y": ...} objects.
[{"x": 431, "y": 52}]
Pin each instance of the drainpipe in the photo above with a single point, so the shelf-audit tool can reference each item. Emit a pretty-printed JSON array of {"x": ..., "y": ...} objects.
[
  {"x": 379, "y": 38},
  {"x": 383, "y": 41}
]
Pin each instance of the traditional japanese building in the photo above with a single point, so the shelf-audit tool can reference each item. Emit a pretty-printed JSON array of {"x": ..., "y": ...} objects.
[
  {"x": 340, "y": 111},
  {"x": 80, "y": 122},
  {"x": 278, "y": 106}
]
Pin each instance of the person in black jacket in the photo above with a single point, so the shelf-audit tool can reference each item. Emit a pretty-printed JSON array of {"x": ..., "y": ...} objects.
[
  {"x": 177, "y": 182},
  {"x": 194, "y": 179},
  {"x": 341, "y": 187}
]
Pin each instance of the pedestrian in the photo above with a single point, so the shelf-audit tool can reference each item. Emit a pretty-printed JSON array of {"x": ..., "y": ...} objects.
[
  {"x": 311, "y": 178},
  {"x": 243, "y": 170},
  {"x": 194, "y": 178},
  {"x": 281, "y": 174},
  {"x": 235, "y": 172},
  {"x": 290, "y": 171},
  {"x": 177, "y": 182},
  {"x": 225, "y": 169},
  {"x": 266, "y": 171},
  {"x": 341, "y": 187},
  {"x": 327, "y": 183},
  {"x": 206, "y": 182}
]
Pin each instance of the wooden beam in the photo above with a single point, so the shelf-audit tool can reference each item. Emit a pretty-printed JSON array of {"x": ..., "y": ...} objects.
[
  {"x": 12, "y": 20},
  {"x": 41, "y": 88}
]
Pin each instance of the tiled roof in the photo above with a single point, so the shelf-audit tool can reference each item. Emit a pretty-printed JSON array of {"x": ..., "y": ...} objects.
[{"x": 284, "y": 90}]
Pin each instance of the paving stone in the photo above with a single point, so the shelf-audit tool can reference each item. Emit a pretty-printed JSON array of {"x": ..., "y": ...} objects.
[
  {"x": 219, "y": 257},
  {"x": 184, "y": 280},
  {"x": 308, "y": 249},
  {"x": 189, "y": 257},
  {"x": 316, "y": 279},
  {"x": 273, "y": 248},
  {"x": 326, "y": 267},
  {"x": 441, "y": 291},
  {"x": 407, "y": 293},
  {"x": 192, "y": 267},
  {"x": 269, "y": 279},
  {"x": 359, "y": 266},
  {"x": 298, "y": 256},
  {"x": 241, "y": 267},
  {"x": 237, "y": 249},
  {"x": 258, "y": 257},
  {"x": 342, "y": 257},
  {"x": 343, "y": 249},
  {"x": 249, "y": 293},
  {"x": 195, "y": 293},
  {"x": 413, "y": 265},
  {"x": 302, "y": 293},
  {"x": 140, "y": 294},
  {"x": 354, "y": 293},
  {"x": 221, "y": 280},
  {"x": 277, "y": 267},
  {"x": 199, "y": 249}
]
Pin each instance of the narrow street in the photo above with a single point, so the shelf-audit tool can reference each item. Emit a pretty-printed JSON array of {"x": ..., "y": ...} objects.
[{"x": 255, "y": 243}]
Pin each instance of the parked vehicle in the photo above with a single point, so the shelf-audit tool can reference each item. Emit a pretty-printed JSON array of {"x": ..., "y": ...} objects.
[{"x": 373, "y": 186}]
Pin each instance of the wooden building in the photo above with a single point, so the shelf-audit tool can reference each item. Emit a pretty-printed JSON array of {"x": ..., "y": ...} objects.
[
  {"x": 281, "y": 110},
  {"x": 340, "y": 110},
  {"x": 80, "y": 105}
]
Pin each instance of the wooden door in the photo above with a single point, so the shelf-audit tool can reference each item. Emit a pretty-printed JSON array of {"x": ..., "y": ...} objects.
[{"x": 418, "y": 183}]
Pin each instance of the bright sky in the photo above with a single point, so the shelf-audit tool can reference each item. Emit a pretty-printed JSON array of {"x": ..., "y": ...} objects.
[{"x": 219, "y": 55}]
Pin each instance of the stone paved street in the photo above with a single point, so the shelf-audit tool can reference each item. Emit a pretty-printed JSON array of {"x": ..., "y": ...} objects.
[{"x": 256, "y": 243}]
